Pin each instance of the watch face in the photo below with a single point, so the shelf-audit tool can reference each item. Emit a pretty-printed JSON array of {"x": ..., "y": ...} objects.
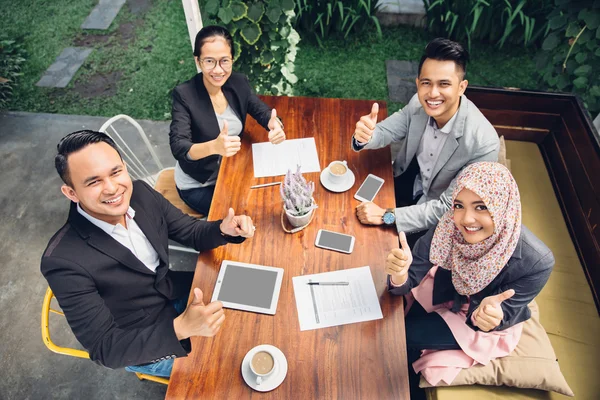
[{"x": 389, "y": 218}]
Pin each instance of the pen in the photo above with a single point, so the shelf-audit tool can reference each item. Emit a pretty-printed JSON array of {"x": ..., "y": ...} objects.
[
  {"x": 329, "y": 283},
  {"x": 265, "y": 185}
]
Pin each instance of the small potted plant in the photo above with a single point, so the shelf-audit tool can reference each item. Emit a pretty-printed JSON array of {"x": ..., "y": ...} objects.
[{"x": 297, "y": 195}]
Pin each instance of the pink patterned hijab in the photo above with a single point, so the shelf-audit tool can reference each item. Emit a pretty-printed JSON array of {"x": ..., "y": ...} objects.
[{"x": 474, "y": 266}]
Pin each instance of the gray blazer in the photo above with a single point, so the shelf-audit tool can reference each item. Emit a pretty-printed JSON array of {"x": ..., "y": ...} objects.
[
  {"x": 527, "y": 271},
  {"x": 473, "y": 139}
]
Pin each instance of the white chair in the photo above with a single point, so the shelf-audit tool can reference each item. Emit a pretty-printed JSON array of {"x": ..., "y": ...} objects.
[{"x": 161, "y": 179}]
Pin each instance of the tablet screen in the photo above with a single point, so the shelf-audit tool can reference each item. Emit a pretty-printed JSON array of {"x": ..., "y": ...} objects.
[{"x": 250, "y": 286}]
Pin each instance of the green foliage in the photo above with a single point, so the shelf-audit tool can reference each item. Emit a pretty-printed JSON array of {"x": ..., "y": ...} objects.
[
  {"x": 328, "y": 71},
  {"x": 320, "y": 19},
  {"x": 159, "y": 57},
  {"x": 264, "y": 40},
  {"x": 12, "y": 55},
  {"x": 570, "y": 56},
  {"x": 519, "y": 22}
]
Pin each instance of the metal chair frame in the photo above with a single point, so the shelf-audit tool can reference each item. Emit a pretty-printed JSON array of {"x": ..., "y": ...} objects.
[
  {"x": 134, "y": 166},
  {"x": 67, "y": 351}
]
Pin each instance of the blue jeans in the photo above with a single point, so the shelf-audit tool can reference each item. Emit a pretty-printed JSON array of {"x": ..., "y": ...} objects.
[
  {"x": 198, "y": 199},
  {"x": 161, "y": 368}
]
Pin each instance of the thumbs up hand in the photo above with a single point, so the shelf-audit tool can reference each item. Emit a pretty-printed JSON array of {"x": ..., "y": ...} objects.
[
  {"x": 276, "y": 133},
  {"x": 199, "y": 319},
  {"x": 237, "y": 225},
  {"x": 489, "y": 314},
  {"x": 366, "y": 125},
  {"x": 398, "y": 262},
  {"x": 226, "y": 145}
]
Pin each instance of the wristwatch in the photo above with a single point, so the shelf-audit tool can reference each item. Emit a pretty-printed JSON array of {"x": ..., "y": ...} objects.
[{"x": 389, "y": 217}]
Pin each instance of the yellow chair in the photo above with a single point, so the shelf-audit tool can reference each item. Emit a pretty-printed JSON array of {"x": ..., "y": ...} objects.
[{"x": 46, "y": 309}]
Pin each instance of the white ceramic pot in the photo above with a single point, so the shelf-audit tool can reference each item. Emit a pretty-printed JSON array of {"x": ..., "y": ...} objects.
[{"x": 299, "y": 221}]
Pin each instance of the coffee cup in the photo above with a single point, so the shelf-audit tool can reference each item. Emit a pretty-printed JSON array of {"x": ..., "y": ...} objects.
[
  {"x": 338, "y": 170},
  {"x": 262, "y": 364}
]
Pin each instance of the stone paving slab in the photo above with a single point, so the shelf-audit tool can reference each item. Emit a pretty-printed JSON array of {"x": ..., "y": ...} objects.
[
  {"x": 60, "y": 73},
  {"x": 103, "y": 14},
  {"x": 401, "y": 79}
]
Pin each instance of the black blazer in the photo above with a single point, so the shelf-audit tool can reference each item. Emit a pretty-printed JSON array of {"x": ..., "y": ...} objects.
[
  {"x": 194, "y": 119},
  {"x": 527, "y": 271},
  {"x": 118, "y": 309}
]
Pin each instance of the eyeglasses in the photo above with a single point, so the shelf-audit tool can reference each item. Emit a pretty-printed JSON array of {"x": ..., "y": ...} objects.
[{"x": 210, "y": 63}]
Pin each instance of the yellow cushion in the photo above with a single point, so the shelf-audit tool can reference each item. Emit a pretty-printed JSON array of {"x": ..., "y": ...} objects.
[
  {"x": 531, "y": 365},
  {"x": 567, "y": 309},
  {"x": 502, "y": 154}
]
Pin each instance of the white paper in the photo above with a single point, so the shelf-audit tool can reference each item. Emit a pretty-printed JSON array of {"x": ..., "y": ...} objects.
[
  {"x": 336, "y": 305},
  {"x": 275, "y": 159}
]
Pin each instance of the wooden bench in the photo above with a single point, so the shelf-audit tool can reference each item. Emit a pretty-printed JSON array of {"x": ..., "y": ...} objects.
[{"x": 555, "y": 160}]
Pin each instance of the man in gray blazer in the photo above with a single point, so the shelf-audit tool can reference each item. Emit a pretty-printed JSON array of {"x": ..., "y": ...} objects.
[{"x": 438, "y": 133}]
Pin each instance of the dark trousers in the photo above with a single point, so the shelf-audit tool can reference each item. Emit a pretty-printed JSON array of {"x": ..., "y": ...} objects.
[
  {"x": 198, "y": 199},
  {"x": 404, "y": 187},
  {"x": 424, "y": 332}
]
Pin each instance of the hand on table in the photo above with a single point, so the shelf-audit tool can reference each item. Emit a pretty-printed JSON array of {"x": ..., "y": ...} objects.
[
  {"x": 199, "y": 319},
  {"x": 237, "y": 225},
  {"x": 369, "y": 213},
  {"x": 489, "y": 314},
  {"x": 226, "y": 145},
  {"x": 398, "y": 262},
  {"x": 366, "y": 125},
  {"x": 276, "y": 133}
]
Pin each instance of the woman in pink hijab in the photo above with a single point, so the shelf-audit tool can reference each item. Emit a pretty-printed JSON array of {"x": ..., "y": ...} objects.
[{"x": 472, "y": 277}]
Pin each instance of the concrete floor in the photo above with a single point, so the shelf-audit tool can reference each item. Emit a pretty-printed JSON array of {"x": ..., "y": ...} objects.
[{"x": 32, "y": 210}]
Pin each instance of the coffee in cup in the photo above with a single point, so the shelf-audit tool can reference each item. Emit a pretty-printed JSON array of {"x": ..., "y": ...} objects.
[
  {"x": 262, "y": 365},
  {"x": 338, "y": 170},
  {"x": 262, "y": 362}
]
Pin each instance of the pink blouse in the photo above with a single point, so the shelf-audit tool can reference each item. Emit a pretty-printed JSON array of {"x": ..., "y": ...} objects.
[{"x": 477, "y": 347}]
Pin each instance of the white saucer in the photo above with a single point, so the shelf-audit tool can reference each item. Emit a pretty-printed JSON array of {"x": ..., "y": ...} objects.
[
  {"x": 274, "y": 379},
  {"x": 337, "y": 187}
]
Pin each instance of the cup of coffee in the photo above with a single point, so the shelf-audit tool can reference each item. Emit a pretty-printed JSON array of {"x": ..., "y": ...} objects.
[
  {"x": 262, "y": 364},
  {"x": 338, "y": 170}
]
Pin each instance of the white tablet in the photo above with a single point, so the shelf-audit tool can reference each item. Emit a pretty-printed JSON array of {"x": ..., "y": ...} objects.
[{"x": 248, "y": 287}]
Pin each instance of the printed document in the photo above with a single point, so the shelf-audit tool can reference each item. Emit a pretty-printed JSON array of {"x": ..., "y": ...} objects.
[
  {"x": 275, "y": 159},
  {"x": 321, "y": 306}
]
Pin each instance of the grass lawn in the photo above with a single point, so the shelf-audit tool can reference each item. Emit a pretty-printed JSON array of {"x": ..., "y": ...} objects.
[{"x": 146, "y": 53}]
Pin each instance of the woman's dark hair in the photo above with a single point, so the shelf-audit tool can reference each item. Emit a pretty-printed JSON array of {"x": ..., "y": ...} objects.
[
  {"x": 442, "y": 49},
  {"x": 74, "y": 142},
  {"x": 209, "y": 32}
]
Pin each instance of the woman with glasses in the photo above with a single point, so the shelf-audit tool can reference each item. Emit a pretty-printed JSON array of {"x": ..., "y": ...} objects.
[{"x": 209, "y": 114}]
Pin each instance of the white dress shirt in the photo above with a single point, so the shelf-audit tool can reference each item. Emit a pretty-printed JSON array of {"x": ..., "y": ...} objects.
[
  {"x": 131, "y": 237},
  {"x": 430, "y": 147}
]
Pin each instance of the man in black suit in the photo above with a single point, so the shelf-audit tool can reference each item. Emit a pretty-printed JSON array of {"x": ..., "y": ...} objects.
[{"x": 108, "y": 265}]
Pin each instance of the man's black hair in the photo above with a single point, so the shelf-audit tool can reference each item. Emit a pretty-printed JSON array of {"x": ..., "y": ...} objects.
[
  {"x": 442, "y": 49},
  {"x": 74, "y": 142}
]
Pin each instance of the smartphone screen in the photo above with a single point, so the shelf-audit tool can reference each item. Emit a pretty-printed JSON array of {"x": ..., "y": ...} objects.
[
  {"x": 369, "y": 188},
  {"x": 335, "y": 241}
]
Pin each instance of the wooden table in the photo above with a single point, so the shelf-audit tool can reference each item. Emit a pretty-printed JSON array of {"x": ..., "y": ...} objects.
[{"x": 358, "y": 361}]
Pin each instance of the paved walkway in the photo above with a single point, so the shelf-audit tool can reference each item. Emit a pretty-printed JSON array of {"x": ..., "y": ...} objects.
[{"x": 68, "y": 62}]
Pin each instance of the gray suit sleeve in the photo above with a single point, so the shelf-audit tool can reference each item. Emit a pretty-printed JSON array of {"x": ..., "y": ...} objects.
[
  {"x": 425, "y": 215},
  {"x": 392, "y": 129},
  {"x": 526, "y": 289}
]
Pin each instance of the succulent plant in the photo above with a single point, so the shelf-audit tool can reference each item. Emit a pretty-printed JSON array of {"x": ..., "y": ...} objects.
[{"x": 297, "y": 193}]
